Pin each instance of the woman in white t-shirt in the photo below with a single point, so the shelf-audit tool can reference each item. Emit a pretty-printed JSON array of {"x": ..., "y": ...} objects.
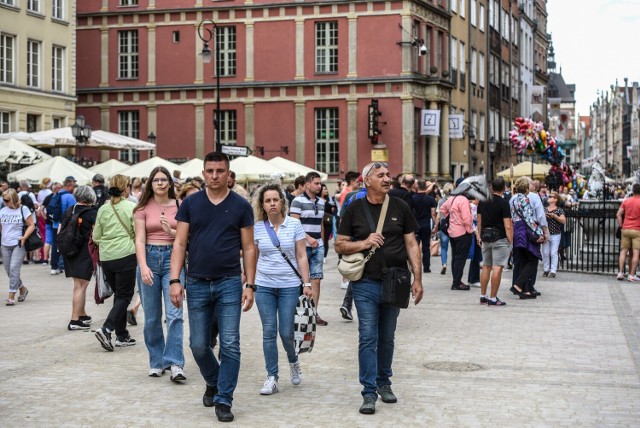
[
  {"x": 12, "y": 219},
  {"x": 278, "y": 284}
]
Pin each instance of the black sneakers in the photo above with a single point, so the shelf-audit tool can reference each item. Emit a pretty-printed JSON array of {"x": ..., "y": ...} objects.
[
  {"x": 121, "y": 342},
  {"x": 104, "y": 338},
  {"x": 85, "y": 319},
  {"x": 209, "y": 394},
  {"x": 78, "y": 325},
  {"x": 346, "y": 313},
  {"x": 386, "y": 394},
  {"x": 223, "y": 412},
  {"x": 368, "y": 405}
]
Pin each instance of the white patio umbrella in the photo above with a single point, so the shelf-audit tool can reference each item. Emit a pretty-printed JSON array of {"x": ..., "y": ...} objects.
[
  {"x": 144, "y": 168},
  {"x": 294, "y": 169},
  {"x": 63, "y": 137},
  {"x": 57, "y": 168},
  {"x": 191, "y": 168},
  {"x": 253, "y": 169},
  {"x": 13, "y": 151},
  {"x": 109, "y": 168}
]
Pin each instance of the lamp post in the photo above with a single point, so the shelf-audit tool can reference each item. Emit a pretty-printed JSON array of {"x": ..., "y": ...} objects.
[
  {"x": 472, "y": 146},
  {"x": 152, "y": 139},
  {"x": 492, "y": 154},
  {"x": 206, "y": 35},
  {"x": 81, "y": 132}
]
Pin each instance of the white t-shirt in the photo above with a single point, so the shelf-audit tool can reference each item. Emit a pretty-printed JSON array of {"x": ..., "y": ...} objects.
[
  {"x": 42, "y": 195},
  {"x": 12, "y": 224},
  {"x": 273, "y": 270}
]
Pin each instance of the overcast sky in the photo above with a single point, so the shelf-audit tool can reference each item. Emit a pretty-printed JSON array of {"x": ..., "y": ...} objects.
[{"x": 595, "y": 44}]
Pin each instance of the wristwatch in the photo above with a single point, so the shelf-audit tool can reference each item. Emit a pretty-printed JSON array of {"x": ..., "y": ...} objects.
[
  {"x": 251, "y": 286},
  {"x": 306, "y": 284},
  {"x": 174, "y": 281}
]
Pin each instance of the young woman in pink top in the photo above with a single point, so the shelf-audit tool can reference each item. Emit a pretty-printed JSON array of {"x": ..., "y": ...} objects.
[{"x": 155, "y": 220}]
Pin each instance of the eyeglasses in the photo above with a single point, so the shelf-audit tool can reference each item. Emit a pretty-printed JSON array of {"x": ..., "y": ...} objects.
[
  {"x": 159, "y": 180},
  {"x": 376, "y": 166}
]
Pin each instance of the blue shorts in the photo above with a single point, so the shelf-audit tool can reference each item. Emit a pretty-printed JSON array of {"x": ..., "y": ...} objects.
[
  {"x": 315, "y": 256},
  {"x": 49, "y": 235}
]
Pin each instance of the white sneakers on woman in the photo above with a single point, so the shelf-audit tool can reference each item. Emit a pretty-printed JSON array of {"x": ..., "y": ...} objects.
[
  {"x": 296, "y": 373},
  {"x": 270, "y": 386}
]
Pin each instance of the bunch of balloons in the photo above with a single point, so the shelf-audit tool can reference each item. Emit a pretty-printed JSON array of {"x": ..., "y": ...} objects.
[{"x": 530, "y": 137}]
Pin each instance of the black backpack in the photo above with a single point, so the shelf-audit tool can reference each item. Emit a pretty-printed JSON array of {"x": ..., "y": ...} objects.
[
  {"x": 45, "y": 204},
  {"x": 26, "y": 201},
  {"x": 69, "y": 238},
  {"x": 54, "y": 208}
]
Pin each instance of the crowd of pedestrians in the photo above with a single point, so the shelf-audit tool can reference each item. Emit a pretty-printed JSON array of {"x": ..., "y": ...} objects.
[{"x": 270, "y": 246}]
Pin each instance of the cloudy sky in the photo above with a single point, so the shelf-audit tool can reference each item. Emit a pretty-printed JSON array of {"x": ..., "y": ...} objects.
[{"x": 595, "y": 44}]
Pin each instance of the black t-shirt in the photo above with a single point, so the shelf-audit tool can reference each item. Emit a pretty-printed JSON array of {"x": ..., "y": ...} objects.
[
  {"x": 402, "y": 193},
  {"x": 399, "y": 222},
  {"x": 493, "y": 213},
  {"x": 422, "y": 204},
  {"x": 101, "y": 195}
]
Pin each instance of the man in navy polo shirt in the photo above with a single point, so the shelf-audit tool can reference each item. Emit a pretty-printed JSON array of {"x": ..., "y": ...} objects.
[
  {"x": 214, "y": 226},
  {"x": 309, "y": 208}
]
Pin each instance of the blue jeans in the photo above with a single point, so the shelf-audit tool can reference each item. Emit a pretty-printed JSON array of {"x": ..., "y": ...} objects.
[
  {"x": 277, "y": 307},
  {"x": 444, "y": 248},
  {"x": 203, "y": 297},
  {"x": 376, "y": 334},
  {"x": 162, "y": 354}
]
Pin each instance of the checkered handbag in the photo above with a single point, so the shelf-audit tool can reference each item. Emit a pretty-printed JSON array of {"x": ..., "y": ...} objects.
[{"x": 304, "y": 326}]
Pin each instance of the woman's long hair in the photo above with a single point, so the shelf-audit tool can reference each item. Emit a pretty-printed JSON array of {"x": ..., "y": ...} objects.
[
  {"x": 258, "y": 209},
  {"x": 147, "y": 192}
]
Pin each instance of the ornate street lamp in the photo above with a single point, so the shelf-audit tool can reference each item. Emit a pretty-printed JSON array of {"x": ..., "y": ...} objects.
[
  {"x": 206, "y": 35},
  {"x": 493, "y": 144},
  {"x": 81, "y": 132}
]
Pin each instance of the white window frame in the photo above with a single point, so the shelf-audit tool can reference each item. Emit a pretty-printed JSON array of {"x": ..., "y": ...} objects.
[
  {"x": 474, "y": 66},
  {"x": 481, "y": 128},
  {"x": 327, "y": 147},
  {"x": 227, "y": 50},
  {"x": 481, "y": 65},
  {"x": 481, "y": 19},
  {"x": 6, "y": 121},
  {"x": 57, "y": 68},
  {"x": 7, "y": 58},
  {"x": 463, "y": 8},
  {"x": 58, "y": 9},
  {"x": 34, "y": 59},
  {"x": 125, "y": 3},
  {"x": 454, "y": 6},
  {"x": 129, "y": 125},
  {"x": 228, "y": 127},
  {"x": 128, "y": 54},
  {"x": 454, "y": 53},
  {"x": 326, "y": 45},
  {"x": 463, "y": 58},
  {"x": 57, "y": 122},
  {"x": 474, "y": 17},
  {"x": 34, "y": 6},
  {"x": 9, "y": 2}
]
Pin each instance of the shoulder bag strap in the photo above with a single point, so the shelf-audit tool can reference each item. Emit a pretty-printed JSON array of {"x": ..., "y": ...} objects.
[
  {"x": 383, "y": 215},
  {"x": 276, "y": 243},
  {"x": 121, "y": 222}
]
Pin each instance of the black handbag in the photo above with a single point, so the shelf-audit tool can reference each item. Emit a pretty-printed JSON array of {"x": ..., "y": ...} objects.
[
  {"x": 396, "y": 287},
  {"x": 33, "y": 241}
]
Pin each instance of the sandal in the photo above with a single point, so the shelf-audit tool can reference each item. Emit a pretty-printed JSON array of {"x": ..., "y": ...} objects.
[
  {"x": 10, "y": 302},
  {"x": 23, "y": 297}
]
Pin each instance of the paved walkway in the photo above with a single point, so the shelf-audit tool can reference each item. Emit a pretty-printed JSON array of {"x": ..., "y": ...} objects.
[{"x": 569, "y": 358}]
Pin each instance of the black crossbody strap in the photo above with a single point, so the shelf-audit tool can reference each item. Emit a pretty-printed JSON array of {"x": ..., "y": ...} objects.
[{"x": 383, "y": 215}]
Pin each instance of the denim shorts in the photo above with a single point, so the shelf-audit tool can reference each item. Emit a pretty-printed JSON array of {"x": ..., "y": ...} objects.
[
  {"x": 49, "y": 235},
  {"x": 496, "y": 253},
  {"x": 316, "y": 262}
]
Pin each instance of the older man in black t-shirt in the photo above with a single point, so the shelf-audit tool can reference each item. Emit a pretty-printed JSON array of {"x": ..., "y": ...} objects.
[
  {"x": 496, "y": 233},
  {"x": 396, "y": 245}
]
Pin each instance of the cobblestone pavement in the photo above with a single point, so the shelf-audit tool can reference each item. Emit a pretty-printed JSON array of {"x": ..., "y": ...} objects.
[{"x": 569, "y": 358}]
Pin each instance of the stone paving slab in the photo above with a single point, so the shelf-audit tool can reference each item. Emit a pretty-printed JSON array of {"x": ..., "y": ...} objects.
[{"x": 569, "y": 358}]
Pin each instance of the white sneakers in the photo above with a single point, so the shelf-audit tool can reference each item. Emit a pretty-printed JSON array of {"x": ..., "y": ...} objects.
[
  {"x": 296, "y": 373},
  {"x": 156, "y": 372},
  {"x": 270, "y": 386},
  {"x": 345, "y": 284},
  {"x": 177, "y": 374}
]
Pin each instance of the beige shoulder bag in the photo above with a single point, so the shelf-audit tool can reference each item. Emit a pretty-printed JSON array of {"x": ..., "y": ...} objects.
[{"x": 351, "y": 266}]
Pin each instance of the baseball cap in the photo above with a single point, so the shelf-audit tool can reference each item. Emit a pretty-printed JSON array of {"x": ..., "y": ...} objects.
[
  {"x": 98, "y": 178},
  {"x": 70, "y": 177}
]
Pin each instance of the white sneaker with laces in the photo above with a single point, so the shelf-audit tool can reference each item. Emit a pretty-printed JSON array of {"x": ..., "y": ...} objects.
[
  {"x": 296, "y": 373},
  {"x": 345, "y": 284},
  {"x": 177, "y": 374},
  {"x": 270, "y": 386},
  {"x": 156, "y": 372},
  {"x": 634, "y": 278}
]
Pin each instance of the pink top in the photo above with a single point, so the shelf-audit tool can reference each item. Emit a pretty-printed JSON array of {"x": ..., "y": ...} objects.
[
  {"x": 151, "y": 216},
  {"x": 460, "y": 220}
]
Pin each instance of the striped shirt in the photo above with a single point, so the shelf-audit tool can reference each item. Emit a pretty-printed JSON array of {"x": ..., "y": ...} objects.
[
  {"x": 272, "y": 269},
  {"x": 311, "y": 214}
]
